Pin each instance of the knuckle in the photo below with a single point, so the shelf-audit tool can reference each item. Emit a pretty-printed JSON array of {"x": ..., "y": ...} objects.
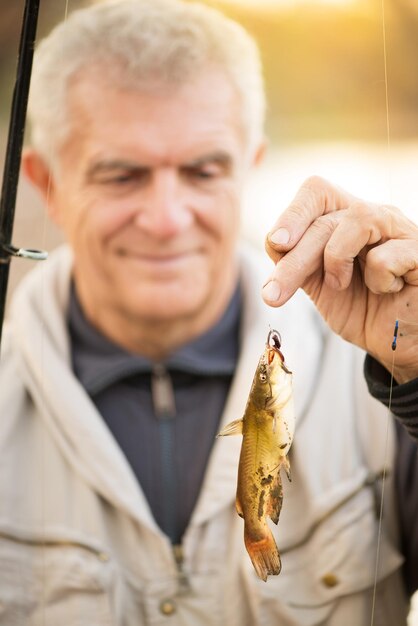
[
  {"x": 324, "y": 226},
  {"x": 369, "y": 212},
  {"x": 315, "y": 183},
  {"x": 297, "y": 212},
  {"x": 316, "y": 190},
  {"x": 296, "y": 209},
  {"x": 295, "y": 265},
  {"x": 386, "y": 214},
  {"x": 361, "y": 210},
  {"x": 377, "y": 259},
  {"x": 332, "y": 253},
  {"x": 389, "y": 209}
]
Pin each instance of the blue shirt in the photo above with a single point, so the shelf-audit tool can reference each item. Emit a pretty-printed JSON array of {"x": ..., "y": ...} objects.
[{"x": 164, "y": 416}]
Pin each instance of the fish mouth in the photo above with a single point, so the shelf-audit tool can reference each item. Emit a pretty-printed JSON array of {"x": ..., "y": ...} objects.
[{"x": 271, "y": 353}]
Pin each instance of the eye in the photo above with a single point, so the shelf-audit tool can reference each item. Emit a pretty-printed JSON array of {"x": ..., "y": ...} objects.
[
  {"x": 263, "y": 377},
  {"x": 127, "y": 178},
  {"x": 121, "y": 179},
  {"x": 203, "y": 173},
  {"x": 116, "y": 181},
  {"x": 207, "y": 168}
]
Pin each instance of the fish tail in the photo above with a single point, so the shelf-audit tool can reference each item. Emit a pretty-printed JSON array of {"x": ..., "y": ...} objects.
[{"x": 264, "y": 555}]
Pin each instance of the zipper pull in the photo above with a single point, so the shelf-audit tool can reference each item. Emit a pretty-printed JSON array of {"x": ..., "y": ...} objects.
[
  {"x": 184, "y": 584},
  {"x": 162, "y": 392}
]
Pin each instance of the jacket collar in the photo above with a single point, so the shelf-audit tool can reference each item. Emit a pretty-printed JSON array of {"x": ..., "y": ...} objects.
[
  {"x": 98, "y": 362},
  {"x": 41, "y": 336}
]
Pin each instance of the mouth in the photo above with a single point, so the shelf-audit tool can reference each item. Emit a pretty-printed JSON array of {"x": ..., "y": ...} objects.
[
  {"x": 157, "y": 261},
  {"x": 271, "y": 353}
]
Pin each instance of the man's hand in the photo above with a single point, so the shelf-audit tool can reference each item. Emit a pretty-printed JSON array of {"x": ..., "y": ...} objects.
[{"x": 358, "y": 262}]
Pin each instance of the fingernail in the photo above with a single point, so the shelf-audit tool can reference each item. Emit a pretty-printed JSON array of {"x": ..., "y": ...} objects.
[
  {"x": 280, "y": 236},
  {"x": 271, "y": 291}
]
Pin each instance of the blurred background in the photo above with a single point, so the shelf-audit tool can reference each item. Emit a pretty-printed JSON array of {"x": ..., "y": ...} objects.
[{"x": 325, "y": 77}]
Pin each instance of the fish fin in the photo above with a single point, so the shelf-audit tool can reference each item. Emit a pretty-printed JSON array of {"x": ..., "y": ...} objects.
[
  {"x": 264, "y": 555},
  {"x": 233, "y": 428},
  {"x": 238, "y": 507},
  {"x": 286, "y": 466},
  {"x": 275, "y": 501}
]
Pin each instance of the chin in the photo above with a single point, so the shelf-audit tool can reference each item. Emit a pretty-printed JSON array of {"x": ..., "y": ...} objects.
[
  {"x": 165, "y": 306},
  {"x": 166, "y": 315}
]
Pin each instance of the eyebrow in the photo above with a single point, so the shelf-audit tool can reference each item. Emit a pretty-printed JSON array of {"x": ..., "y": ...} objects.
[
  {"x": 113, "y": 164},
  {"x": 222, "y": 158}
]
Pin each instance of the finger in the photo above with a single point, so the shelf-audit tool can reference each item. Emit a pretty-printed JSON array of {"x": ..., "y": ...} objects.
[
  {"x": 299, "y": 264},
  {"x": 274, "y": 254},
  {"x": 361, "y": 225},
  {"x": 356, "y": 230},
  {"x": 392, "y": 264},
  {"x": 315, "y": 197}
]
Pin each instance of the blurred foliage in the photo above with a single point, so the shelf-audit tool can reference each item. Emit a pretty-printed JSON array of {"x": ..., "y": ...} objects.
[
  {"x": 325, "y": 69},
  {"x": 324, "y": 65}
]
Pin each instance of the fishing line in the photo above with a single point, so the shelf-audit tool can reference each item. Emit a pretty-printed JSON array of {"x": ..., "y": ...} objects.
[
  {"x": 384, "y": 472},
  {"x": 385, "y": 67},
  {"x": 402, "y": 329},
  {"x": 396, "y": 324}
]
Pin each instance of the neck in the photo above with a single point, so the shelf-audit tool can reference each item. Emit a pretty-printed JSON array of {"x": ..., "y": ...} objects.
[{"x": 151, "y": 337}]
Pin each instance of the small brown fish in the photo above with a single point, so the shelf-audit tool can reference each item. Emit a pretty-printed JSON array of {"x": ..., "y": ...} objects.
[{"x": 267, "y": 428}]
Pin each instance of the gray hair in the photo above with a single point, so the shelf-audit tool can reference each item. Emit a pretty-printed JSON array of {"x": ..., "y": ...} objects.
[{"x": 158, "y": 41}]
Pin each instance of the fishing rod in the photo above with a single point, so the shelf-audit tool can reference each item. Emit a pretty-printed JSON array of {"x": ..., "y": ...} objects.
[{"x": 14, "y": 153}]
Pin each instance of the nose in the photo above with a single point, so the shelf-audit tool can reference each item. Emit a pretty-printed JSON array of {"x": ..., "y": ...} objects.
[{"x": 164, "y": 210}]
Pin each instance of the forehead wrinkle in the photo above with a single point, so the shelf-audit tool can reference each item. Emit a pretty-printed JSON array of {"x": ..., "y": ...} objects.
[{"x": 83, "y": 92}]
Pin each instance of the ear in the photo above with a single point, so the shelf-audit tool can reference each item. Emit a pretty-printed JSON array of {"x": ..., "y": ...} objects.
[
  {"x": 259, "y": 153},
  {"x": 38, "y": 172}
]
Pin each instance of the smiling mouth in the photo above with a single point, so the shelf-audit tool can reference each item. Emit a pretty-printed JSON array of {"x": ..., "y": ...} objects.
[{"x": 155, "y": 260}]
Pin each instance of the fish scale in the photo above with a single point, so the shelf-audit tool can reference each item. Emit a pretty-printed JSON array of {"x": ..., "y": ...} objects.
[{"x": 267, "y": 428}]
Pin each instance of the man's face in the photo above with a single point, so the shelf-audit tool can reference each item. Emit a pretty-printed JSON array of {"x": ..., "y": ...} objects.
[{"x": 147, "y": 191}]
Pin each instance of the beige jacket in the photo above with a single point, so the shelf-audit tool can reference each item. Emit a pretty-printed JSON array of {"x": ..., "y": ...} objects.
[{"x": 78, "y": 544}]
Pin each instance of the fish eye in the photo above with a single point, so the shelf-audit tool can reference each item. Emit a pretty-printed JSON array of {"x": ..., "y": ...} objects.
[{"x": 263, "y": 377}]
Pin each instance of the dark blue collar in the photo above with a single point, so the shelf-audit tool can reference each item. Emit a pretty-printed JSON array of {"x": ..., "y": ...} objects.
[{"x": 98, "y": 362}]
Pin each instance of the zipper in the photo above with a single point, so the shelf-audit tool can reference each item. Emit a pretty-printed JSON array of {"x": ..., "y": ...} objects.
[
  {"x": 183, "y": 581},
  {"x": 162, "y": 393},
  {"x": 165, "y": 410}
]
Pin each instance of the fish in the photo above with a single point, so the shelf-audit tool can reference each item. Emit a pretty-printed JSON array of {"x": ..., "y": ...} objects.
[{"x": 267, "y": 427}]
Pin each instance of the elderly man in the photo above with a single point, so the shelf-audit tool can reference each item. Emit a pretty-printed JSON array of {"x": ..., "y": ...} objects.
[{"x": 136, "y": 343}]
